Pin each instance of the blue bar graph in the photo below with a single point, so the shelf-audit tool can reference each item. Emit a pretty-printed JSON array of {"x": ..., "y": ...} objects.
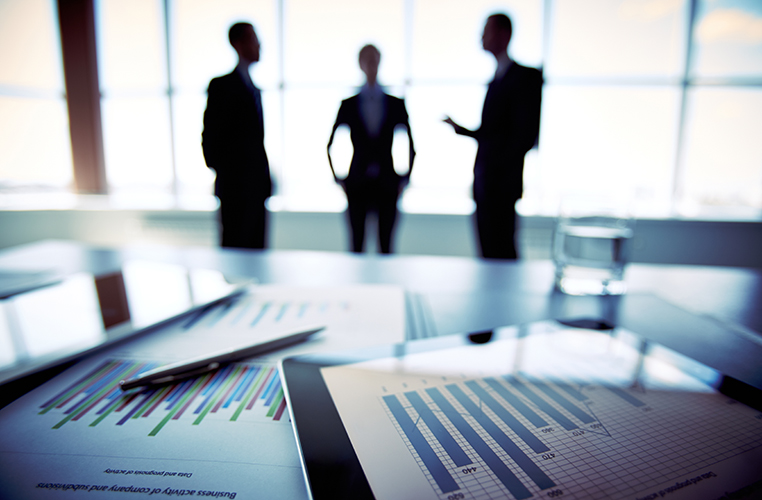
[
  {"x": 504, "y": 415},
  {"x": 565, "y": 403},
  {"x": 438, "y": 471},
  {"x": 503, "y": 473},
  {"x": 261, "y": 313},
  {"x": 282, "y": 311},
  {"x": 517, "y": 403},
  {"x": 302, "y": 309},
  {"x": 626, "y": 396},
  {"x": 242, "y": 312},
  {"x": 518, "y": 456},
  {"x": 223, "y": 311},
  {"x": 444, "y": 437},
  {"x": 571, "y": 391},
  {"x": 196, "y": 317},
  {"x": 542, "y": 404}
]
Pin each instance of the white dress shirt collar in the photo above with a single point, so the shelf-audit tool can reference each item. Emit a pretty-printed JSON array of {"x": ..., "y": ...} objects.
[
  {"x": 243, "y": 70},
  {"x": 371, "y": 91},
  {"x": 504, "y": 62}
]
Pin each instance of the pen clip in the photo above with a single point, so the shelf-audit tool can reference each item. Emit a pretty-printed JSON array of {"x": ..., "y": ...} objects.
[
  {"x": 190, "y": 373},
  {"x": 126, "y": 385}
]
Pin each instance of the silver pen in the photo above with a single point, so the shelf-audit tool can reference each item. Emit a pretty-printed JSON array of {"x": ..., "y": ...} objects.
[{"x": 197, "y": 366}]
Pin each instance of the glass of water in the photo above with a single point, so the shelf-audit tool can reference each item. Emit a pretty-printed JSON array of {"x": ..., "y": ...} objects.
[{"x": 591, "y": 245}]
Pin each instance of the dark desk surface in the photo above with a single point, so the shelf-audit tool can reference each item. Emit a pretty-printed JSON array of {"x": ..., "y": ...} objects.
[{"x": 462, "y": 294}]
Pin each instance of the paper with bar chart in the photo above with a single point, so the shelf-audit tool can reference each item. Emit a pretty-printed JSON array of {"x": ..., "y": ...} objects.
[
  {"x": 223, "y": 434},
  {"x": 512, "y": 419}
]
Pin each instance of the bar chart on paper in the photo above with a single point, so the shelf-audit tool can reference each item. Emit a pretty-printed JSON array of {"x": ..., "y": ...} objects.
[
  {"x": 507, "y": 437},
  {"x": 251, "y": 312},
  {"x": 519, "y": 436},
  {"x": 248, "y": 390},
  {"x": 269, "y": 310},
  {"x": 226, "y": 432}
]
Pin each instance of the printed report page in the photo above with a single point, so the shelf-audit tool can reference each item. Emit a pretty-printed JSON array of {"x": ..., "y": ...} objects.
[
  {"x": 574, "y": 416},
  {"x": 225, "y": 434}
]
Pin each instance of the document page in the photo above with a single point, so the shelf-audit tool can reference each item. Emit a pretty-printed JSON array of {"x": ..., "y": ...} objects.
[
  {"x": 568, "y": 414},
  {"x": 225, "y": 434}
]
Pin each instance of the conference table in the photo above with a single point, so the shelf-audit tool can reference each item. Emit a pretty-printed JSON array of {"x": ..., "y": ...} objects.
[
  {"x": 713, "y": 314},
  {"x": 710, "y": 314}
]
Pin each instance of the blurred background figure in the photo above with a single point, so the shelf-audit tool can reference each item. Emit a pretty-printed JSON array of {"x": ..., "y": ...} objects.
[
  {"x": 372, "y": 185},
  {"x": 509, "y": 129},
  {"x": 233, "y": 144}
]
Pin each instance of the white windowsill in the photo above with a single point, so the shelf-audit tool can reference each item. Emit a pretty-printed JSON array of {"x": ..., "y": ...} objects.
[{"x": 417, "y": 202}]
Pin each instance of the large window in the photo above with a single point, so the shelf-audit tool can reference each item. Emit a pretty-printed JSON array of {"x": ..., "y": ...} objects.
[
  {"x": 137, "y": 132},
  {"x": 611, "y": 104},
  {"x": 721, "y": 164},
  {"x": 34, "y": 134},
  {"x": 656, "y": 101}
]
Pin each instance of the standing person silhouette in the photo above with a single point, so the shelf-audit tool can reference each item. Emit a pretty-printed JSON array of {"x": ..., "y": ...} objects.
[
  {"x": 233, "y": 144},
  {"x": 509, "y": 129},
  {"x": 372, "y": 185}
]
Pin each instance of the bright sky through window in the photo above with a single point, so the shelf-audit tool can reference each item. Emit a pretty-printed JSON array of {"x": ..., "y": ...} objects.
[
  {"x": 624, "y": 110},
  {"x": 34, "y": 133}
]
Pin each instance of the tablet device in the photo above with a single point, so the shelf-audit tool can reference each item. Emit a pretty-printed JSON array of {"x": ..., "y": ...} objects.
[
  {"x": 536, "y": 411},
  {"x": 63, "y": 318}
]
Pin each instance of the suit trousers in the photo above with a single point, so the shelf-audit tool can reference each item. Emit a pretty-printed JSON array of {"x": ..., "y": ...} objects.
[
  {"x": 496, "y": 227},
  {"x": 244, "y": 222},
  {"x": 372, "y": 196}
]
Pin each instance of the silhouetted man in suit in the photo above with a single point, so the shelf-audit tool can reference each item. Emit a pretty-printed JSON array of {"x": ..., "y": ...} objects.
[
  {"x": 372, "y": 185},
  {"x": 233, "y": 143},
  {"x": 509, "y": 129}
]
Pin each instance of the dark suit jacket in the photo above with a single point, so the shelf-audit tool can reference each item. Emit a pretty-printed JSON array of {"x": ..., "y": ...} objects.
[
  {"x": 233, "y": 139},
  {"x": 367, "y": 149},
  {"x": 510, "y": 126}
]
